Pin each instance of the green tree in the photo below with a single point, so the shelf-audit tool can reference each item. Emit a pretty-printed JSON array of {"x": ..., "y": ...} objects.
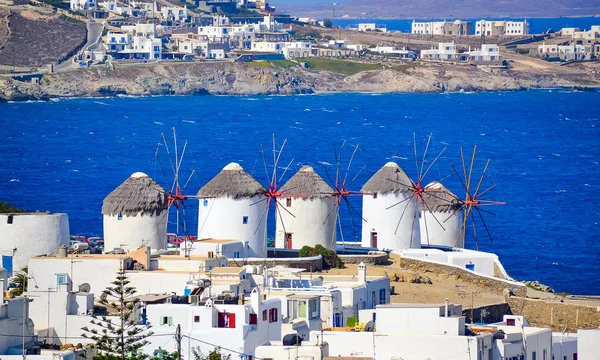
[
  {"x": 123, "y": 338},
  {"x": 215, "y": 354},
  {"x": 327, "y": 23},
  {"x": 22, "y": 280},
  {"x": 8, "y": 208}
]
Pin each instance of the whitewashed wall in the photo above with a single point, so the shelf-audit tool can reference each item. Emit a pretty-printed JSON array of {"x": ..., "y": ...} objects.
[
  {"x": 434, "y": 234},
  {"x": 222, "y": 218},
  {"x": 384, "y": 221},
  {"x": 132, "y": 232},
  {"x": 309, "y": 225},
  {"x": 31, "y": 235}
]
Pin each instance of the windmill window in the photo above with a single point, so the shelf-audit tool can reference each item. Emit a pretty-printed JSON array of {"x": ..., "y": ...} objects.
[
  {"x": 61, "y": 279},
  {"x": 120, "y": 217},
  {"x": 9, "y": 219},
  {"x": 288, "y": 202},
  {"x": 374, "y": 195},
  {"x": 205, "y": 202},
  {"x": 245, "y": 220},
  {"x": 196, "y": 318},
  {"x": 264, "y": 315}
]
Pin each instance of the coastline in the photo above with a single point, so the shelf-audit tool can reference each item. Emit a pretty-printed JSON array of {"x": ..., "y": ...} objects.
[{"x": 244, "y": 79}]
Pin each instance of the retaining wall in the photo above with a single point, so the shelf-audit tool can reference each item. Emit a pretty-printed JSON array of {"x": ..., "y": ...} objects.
[
  {"x": 313, "y": 263},
  {"x": 370, "y": 259},
  {"x": 491, "y": 284}
]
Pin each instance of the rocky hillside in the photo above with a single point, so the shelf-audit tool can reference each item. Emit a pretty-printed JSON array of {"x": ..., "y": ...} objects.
[
  {"x": 246, "y": 79},
  {"x": 34, "y": 36}
]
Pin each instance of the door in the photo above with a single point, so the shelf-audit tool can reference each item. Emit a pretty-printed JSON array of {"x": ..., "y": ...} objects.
[
  {"x": 288, "y": 240},
  {"x": 374, "y": 240}
]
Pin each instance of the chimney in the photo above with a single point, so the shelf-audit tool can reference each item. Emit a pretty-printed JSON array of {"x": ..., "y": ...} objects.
[
  {"x": 362, "y": 273},
  {"x": 446, "y": 313},
  {"x": 148, "y": 258}
]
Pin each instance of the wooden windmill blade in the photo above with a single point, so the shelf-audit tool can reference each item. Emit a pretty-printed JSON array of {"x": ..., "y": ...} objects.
[{"x": 473, "y": 201}]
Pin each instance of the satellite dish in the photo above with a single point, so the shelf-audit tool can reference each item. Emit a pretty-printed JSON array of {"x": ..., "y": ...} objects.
[
  {"x": 369, "y": 326},
  {"x": 103, "y": 297},
  {"x": 85, "y": 288}
]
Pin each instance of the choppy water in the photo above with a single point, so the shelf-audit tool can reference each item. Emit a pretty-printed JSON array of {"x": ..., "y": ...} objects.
[{"x": 66, "y": 156}]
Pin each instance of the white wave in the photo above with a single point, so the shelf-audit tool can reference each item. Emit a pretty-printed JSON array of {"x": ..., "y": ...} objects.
[
  {"x": 75, "y": 170},
  {"x": 561, "y": 191},
  {"x": 158, "y": 123},
  {"x": 14, "y": 180},
  {"x": 298, "y": 123},
  {"x": 91, "y": 133},
  {"x": 307, "y": 110},
  {"x": 188, "y": 121},
  {"x": 324, "y": 163},
  {"x": 101, "y": 103},
  {"x": 555, "y": 154},
  {"x": 68, "y": 161}
]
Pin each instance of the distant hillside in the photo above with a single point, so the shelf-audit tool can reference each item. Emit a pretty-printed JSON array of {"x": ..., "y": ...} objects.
[{"x": 388, "y": 9}]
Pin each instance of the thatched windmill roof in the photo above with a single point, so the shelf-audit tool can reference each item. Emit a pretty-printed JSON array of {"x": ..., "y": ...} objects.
[
  {"x": 389, "y": 179},
  {"x": 439, "y": 200},
  {"x": 232, "y": 182},
  {"x": 139, "y": 194},
  {"x": 306, "y": 183}
]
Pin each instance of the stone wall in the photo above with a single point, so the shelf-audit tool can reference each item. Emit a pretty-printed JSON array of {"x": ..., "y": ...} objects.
[
  {"x": 556, "y": 315},
  {"x": 490, "y": 284},
  {"x": 488, "y": 313},
  {"x": 314, "y": 263},
  {"x": 371, "y": 259}
]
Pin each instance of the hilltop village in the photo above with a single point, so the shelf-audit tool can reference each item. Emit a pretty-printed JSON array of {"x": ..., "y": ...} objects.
[
  {"x": 145, "y": 47},
  {"x": 228, "y": 291}
]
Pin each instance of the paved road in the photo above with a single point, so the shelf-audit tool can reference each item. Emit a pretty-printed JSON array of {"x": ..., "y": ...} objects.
[{"x": 94, "y": 34}]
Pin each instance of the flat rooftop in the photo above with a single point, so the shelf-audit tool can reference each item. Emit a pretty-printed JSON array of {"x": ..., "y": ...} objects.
[
  {"x": 410, "y": 305},
  {"x": 216, "y": 241},
  {"x": 226, "y": 270}
]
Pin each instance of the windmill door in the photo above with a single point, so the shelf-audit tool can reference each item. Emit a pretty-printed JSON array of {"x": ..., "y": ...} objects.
[
  {"x": 288, "y": 240},
  {"x": 374, "y": 239}
]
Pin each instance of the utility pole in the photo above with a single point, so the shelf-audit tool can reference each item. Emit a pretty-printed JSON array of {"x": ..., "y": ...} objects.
[{"x": 178, "y": 338}]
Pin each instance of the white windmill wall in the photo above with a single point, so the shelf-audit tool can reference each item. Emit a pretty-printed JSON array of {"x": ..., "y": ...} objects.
[
  {"x": 309, "y": 226},
  {"x": 223, "y": 218},
  {"x": 433, "y": 234},
  {"x": 384, "y": 221},
  {"x": 31, "y": 235},
  {"x": 131, "y": 232}
]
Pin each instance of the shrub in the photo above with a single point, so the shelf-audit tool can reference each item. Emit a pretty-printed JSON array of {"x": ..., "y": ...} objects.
[{"x": 330, "y": 257}]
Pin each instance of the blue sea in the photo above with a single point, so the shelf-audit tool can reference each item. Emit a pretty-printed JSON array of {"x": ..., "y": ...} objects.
[
  {"x": 536, "y": 25},
  {"x": 544, "y": 146}
]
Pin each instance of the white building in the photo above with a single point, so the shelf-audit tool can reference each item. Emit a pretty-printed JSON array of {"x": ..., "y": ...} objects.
[
  {"x": 25, "y": 235},
  {"x": 371, "y": 27},
  {"x": 441, "y": 220},
  {"x": 409, "y": 331},
  {"x": 308, "y": 212},
  {"x": 16, "y": 329},
  {"x": 444, "y": 51},
  {"x": 488, "y": 52},
  {"x": 564, "y": 52},
  {"x": 588, "y": 344},
  {"x": 174, "y": 13},
  {"x": 390, "y": 211},
  {"x": 392, "y": 50},
  {"x": 291, "y": 49},
  {"x": 135, "y": 42},
  {"x": 456, "y": 27},
  {"x": 233, "y": 206},
  {"x": 202, "y": 48},
  {"x": 568, "y": 31},
  {"x": 237, "y": 328},
  {"x": 564, "y": 346},
  {"x": 498, "y": 28},
  {"x": 135, "y": 215},
  {"x": 519, "y": 340},
  {"x": 280, "y": 350},
  {"x": 82, "y": 5}
]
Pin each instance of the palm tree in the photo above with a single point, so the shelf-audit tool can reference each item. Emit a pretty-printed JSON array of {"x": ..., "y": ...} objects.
[{"x": 21, "y": 279}]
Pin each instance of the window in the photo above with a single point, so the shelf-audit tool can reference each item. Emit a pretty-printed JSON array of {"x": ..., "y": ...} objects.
[
  {"x": 166, "y": 320},
  {"x": 226, "y": 320},
  {"x": 510, "y": 322},
  {"x": 9, "y": 219},
  {"x": 253, "y": 319},
  {"x": 196, "y": 318},
  {"x": 374, "y": 195},
  {"x": 264, "y": 315},
  {"x": 534, "y": 356},
  {"x": 382, "y": 296},
  {"x": 288, "y": 202},
  {"x": 245, "y": 220},
  {"x": 205, "y": 202},
  {"x": 120, "y": 217},
  {"x": 61, "y": 279},
  {"x": 545, "y": 354},
  {"x": 273, "y": 315}
]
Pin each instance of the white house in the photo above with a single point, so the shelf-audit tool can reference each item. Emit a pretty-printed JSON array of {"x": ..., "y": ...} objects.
[
  {"x": 291, "y": 49},
  {"x": 408, "y": 331},
  {"x": 588, "y": 344},
  {"x": 568, "y": 31},
  {"x": 390, "y": 211},
  {"x": 392, "y": 50},
  {"x": 371, "y": 27},
  {"x": 564, "y": 52},
  {"x": 16, "y": 328},
  {"x": 307, "y": 213},
  {"x": 25, "y": 235},
  {"x": 233, "y": 206},
  {"x": 441, "y": 220},
  {"x": 174, "y": 13},
  {"x": 488, "y": 52},
  {"x": 135, "y": 42},
  {"x": 518, "y": 339},
  {"x": 456, "y": 27},
  {"x": 135, "y": 215},
  {"x": 237, "y": 328},
  {"x": 444, "y": 51},
  {"x": 497, "y": 28},
  {"x": 564, "y": 346},
  {"x": 82, "y": 5}
]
